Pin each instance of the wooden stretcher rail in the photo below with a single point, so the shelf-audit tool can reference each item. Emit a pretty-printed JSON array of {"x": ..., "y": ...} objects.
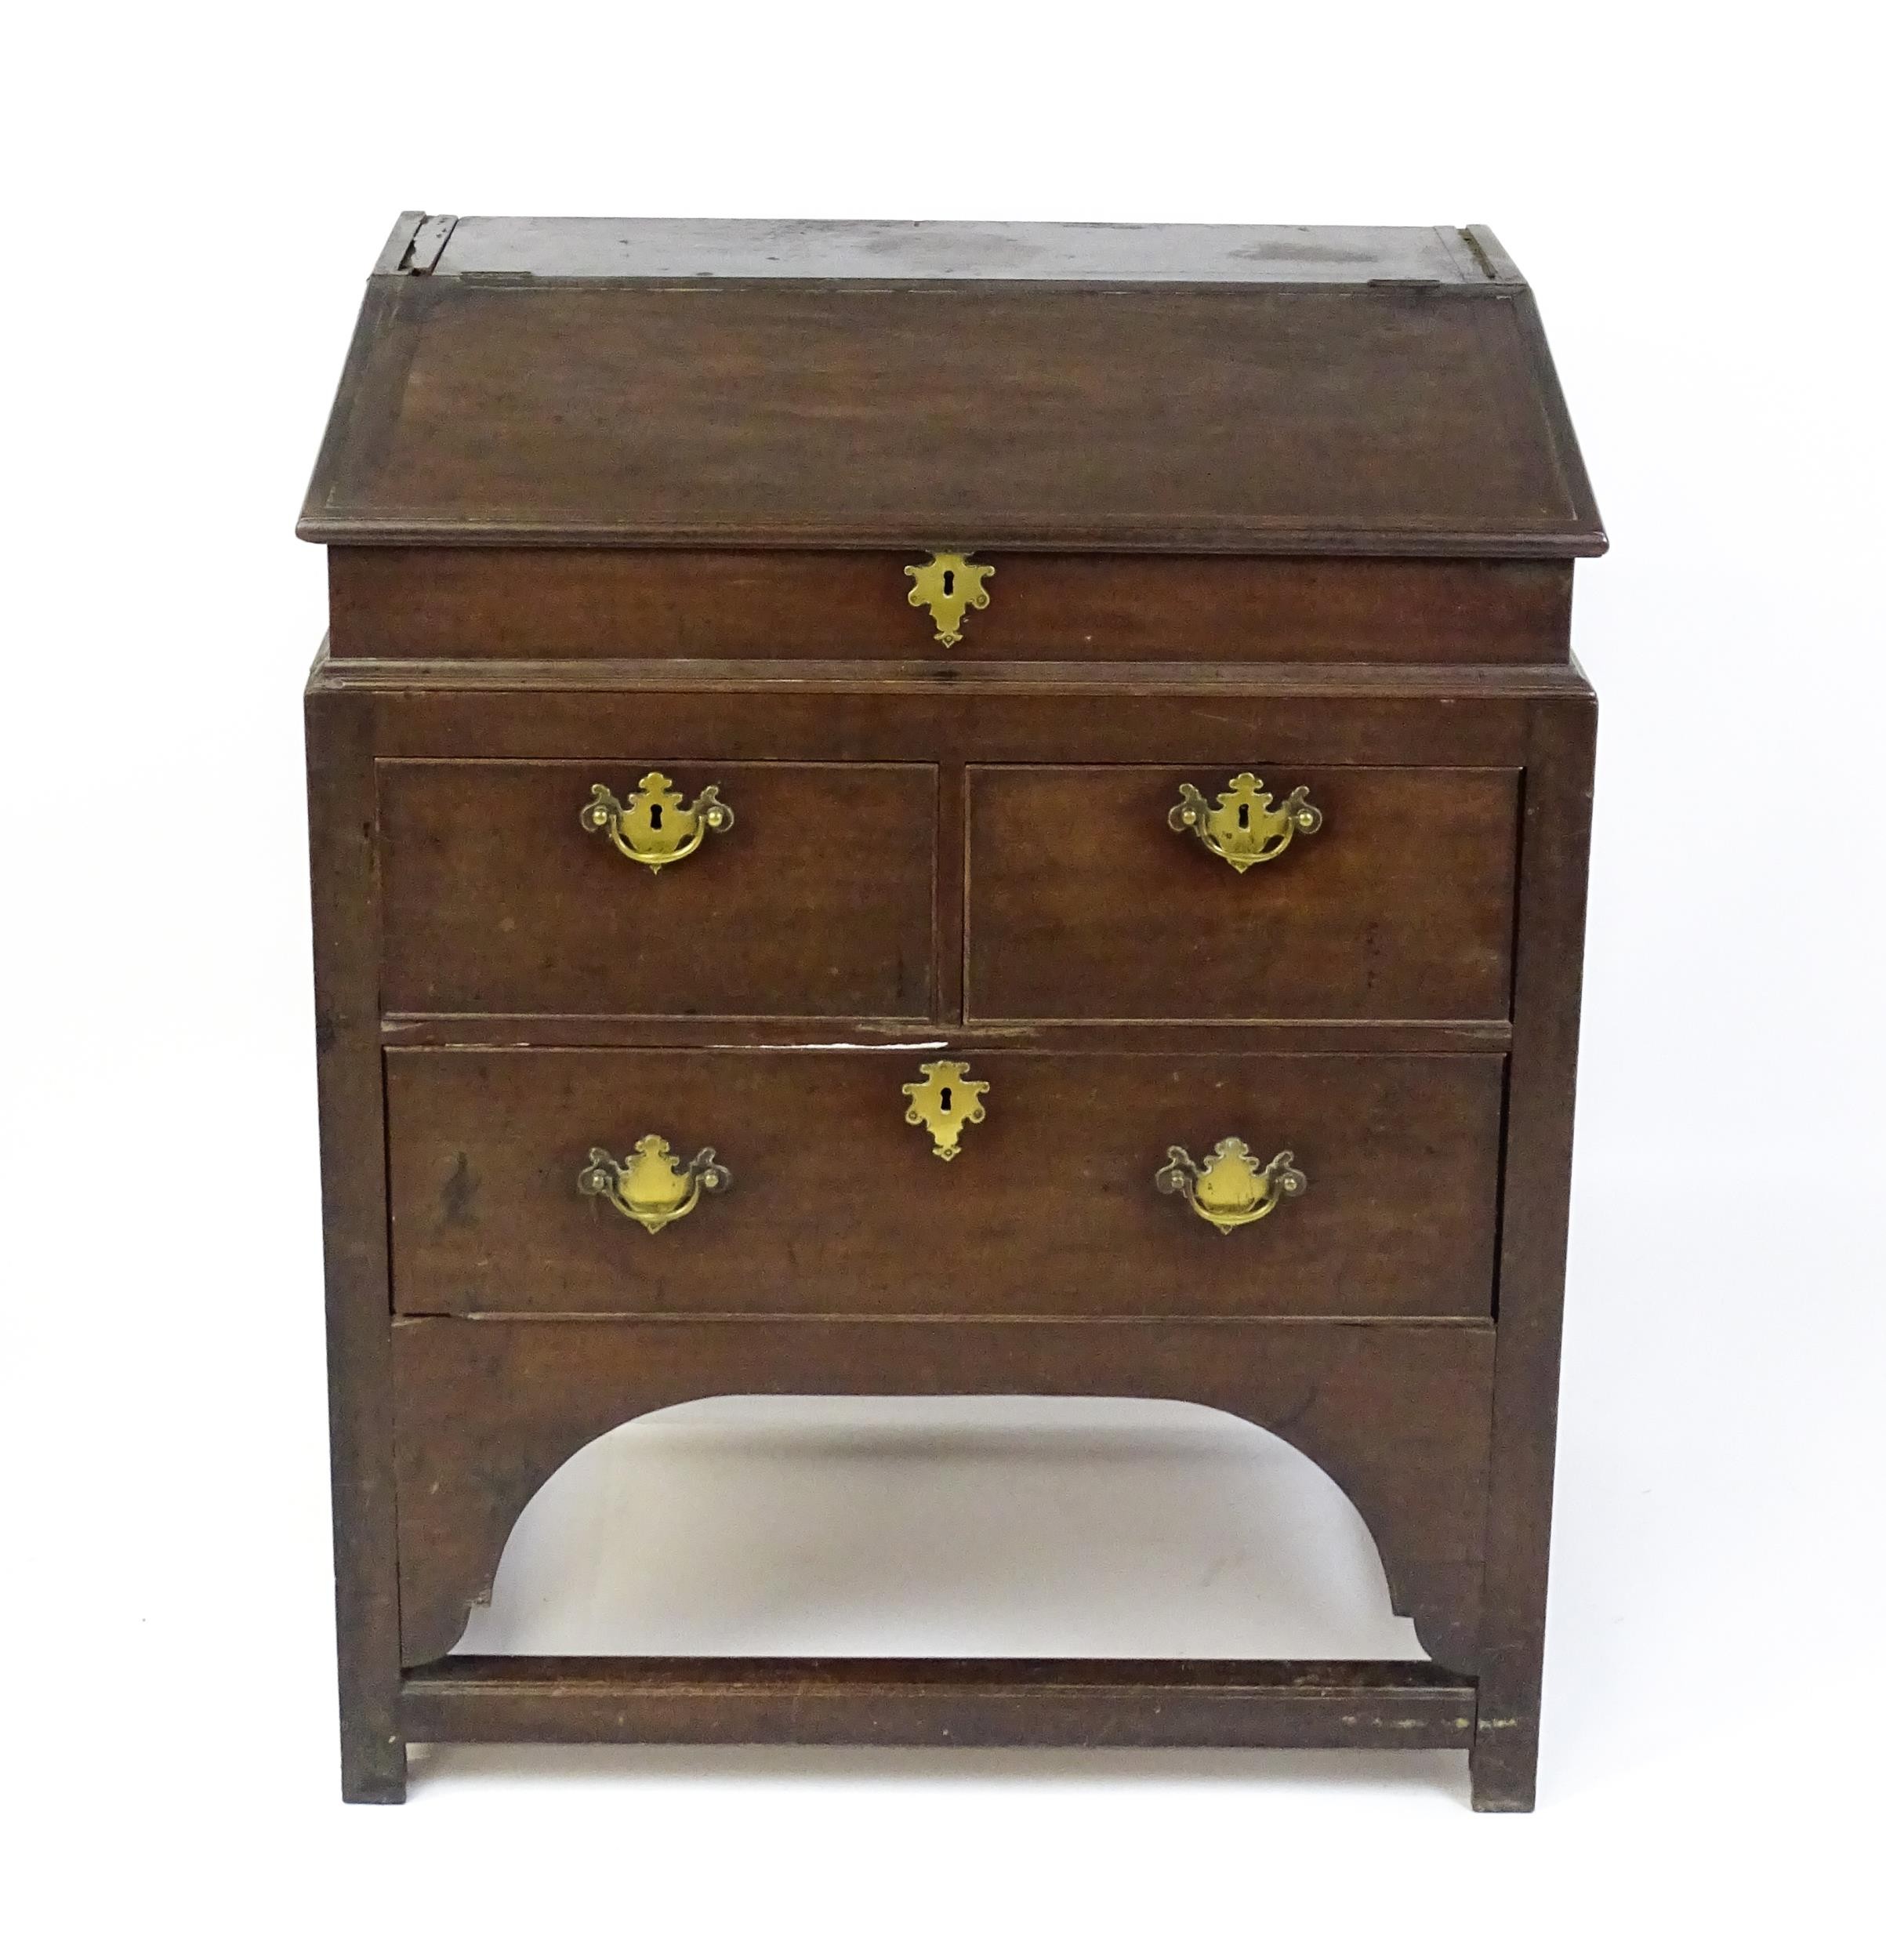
[{"x": 912, "y": 1702}]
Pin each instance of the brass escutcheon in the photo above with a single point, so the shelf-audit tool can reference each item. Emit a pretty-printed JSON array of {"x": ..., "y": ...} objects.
[
  {"x": 652, "y": 1188},
  {"x": 1245, "y": 827},
  {"x": 1232, "y": 1188},
  {"x": 950, "y": 586},
  {"x": 654, "y": 826},
  {"x": 943, "y": 1102}
]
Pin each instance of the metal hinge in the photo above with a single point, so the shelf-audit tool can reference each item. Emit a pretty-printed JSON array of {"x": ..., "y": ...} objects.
[{"x": 423, "y": 248}]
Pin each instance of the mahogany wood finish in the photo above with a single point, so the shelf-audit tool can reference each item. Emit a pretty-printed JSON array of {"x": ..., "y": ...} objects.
[
  {"x": 1326, "y": 714},
  {"x": 471, "y": 1031},
  {"x": 489, "y": 1408},
  {"x": 1188, "y": 1704},
  {"x": 824, "y": 605},
  {"x": 1542, "y": 1078},
  {"x": 498, "y": 901},
  {"x": 838, "y": 1205},
  {"x": 610, "y": 496},
  {"x": 1399, "y": 909},
  {"x": 353, "y": 1205},
  {"x": 942, "y": 411}
]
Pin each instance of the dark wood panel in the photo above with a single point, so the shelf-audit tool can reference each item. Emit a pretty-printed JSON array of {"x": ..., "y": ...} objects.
[
  {"x": 821, "y": 897},
  {"x": 1479, "y": 695},
  {"x": 1534, "y": 1220},
  {"x": 1196, "y": 1704},
  {"x": 824, "y": 605},
  {"x": 1371, "y": 419},
  {"x": 1048, "y": 712},
  {"x": 1397, "y": 1415},
  {"x": 1084, "y": 902},
  {"x": 354, "y": 1232},
  {"x": 838, "y": 1206},
  {"x": 890, "y": 1037}
]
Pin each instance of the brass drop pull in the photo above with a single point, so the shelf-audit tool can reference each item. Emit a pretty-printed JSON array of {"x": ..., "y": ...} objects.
[
  {"x": 950, "y": 586},
  {"x": 1232, "y": 1189},
  {"x": 653, "y": 1188},
  {"x": 943, "y": 1102},
  {"x": 1245, "y": 827},
  {"x": 654, "y": 826}
]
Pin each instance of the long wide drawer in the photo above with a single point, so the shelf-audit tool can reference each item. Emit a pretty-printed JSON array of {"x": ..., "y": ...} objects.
[
  {"x": 500, "y": 895},
  {"x": 1092, "y": 897},
  {"x": 838, "y": 1202}
]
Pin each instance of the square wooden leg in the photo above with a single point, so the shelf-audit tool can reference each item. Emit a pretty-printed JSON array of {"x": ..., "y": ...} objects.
[
  {"x": 1503, "y": 1763},
  {"x": 359, "y": 1305},
  {"x": 373, "y": 1762}
]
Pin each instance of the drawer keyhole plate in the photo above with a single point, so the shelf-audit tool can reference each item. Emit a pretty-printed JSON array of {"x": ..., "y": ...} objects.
[
  {"x": 950, "y": 585},
  {"x": 945, "y": 1102}
]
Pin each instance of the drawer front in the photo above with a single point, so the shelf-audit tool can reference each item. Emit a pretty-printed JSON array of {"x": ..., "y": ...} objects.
[
  {"x": 391, "y": 603},
  {"x": 838, "y": 1203},
  {"x": 819, "y": 897},
  {"x": 1085, "y": 903}
]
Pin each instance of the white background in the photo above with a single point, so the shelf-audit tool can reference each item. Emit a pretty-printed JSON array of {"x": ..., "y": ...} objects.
[{"x": 193, "y": 194}]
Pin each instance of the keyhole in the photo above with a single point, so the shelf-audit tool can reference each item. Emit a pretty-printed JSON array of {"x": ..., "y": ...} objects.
[
  {"x": 654, "y": 816},
  {"x": 1244, "y": 816},
  {"x": 949, "y": 583},
  {"x": 943, "y": 1101}
]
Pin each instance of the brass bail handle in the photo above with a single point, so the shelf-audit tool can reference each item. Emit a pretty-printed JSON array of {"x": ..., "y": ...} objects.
[
  {"x": 654, "y": 825},
  {"x": 1245, "y": 826},
  {"x": 652, "y": 1186},
  {"x": 1230, "y": 1188}
]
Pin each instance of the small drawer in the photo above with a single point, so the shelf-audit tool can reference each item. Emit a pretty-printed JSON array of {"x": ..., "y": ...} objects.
[
  {"x": 510, "y": 887},
  {"x": 820, "y": 1196},
  {"x": 1093, "y": 897}
]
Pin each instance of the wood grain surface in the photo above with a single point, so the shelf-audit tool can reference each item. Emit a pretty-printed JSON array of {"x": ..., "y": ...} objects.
[
  {"x": 979, "y": 1704},
  {"x": 839, "y": 1206},
  {"x": 1084, "y": 903},
  {"x": 607, "y": 497},
  {"x": 820, "y": 899},
  {"x": 1396, "y": 1415},
  {"x": 546, "y": 604},
  {"x": 1378, "y": 419}
]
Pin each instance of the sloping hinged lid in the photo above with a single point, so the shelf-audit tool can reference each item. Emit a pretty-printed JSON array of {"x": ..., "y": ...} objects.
[{"x": 658, "y": 383}]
